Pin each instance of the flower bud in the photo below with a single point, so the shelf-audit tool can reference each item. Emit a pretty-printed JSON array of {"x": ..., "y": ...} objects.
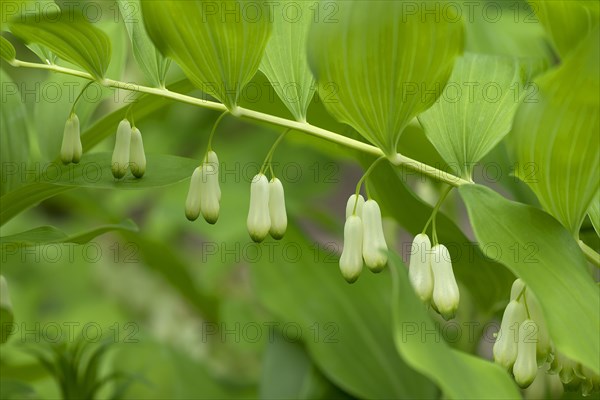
[
  {"x": 445, "y": 289},
  {"x": 137, "y": 157},
  {"x": 67, "y": 149},
  {"x": 516, "y": 289},
  {"x": 192, "y": 202},
  {"x": 209, "y": 193},
  {"x": 544, "y": 343},
  {"x": 419, "y": 271},
  {"x": 359, "y": 206},
  {"x": 525, "y": 367},
  {"x": 505, "y": 348},
  {"x": 120, "y": 157},
  {"x": 77, "y": 147},
  {"x": 277, "y": 209},
  {"x": 351, "y": 260},
  {"x": 214, "y": 161},
  {"x": 374, "y": 246},
  {"x": 259, "y": 221}
]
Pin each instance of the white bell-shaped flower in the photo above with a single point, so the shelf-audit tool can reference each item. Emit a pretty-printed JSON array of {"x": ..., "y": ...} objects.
[
  {"x": 77, "y": 147},
  {"x": 137, "y": 156},
  {"x": 374, "y": 246},
  {"x": 505, "y": 347},
  {"x": 210, "y": 193},
  {"x": 419, "y": 271},
  {"x": 525, "y": 367},
  {"x": 352, "y": 202},
  {"x": 516, "y": 289},
  {"x": 192, "y": 202},
  {"x": 120, "y": 157},
  {"x": 71, "y": 149},
  {"x": 351, "y": 260},
  {"x": 277, "y": 211},
  {"x": 259, "y": 221},
  {"x": 213, "y": 160},
  {"x": 544, "y": 343},
  {"x": 445, "y": 290}
]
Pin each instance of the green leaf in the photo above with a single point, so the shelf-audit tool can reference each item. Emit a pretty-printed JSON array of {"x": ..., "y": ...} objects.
[
  {"x": 567, "y": 22},
  {"x": 7, "y": 51},
  {"x": 153, "y": 64},
  {"x": 346, "y": 328},
  {"x": 93, "y": 171},
  {"x": 14, "y": 135},
  {"x": 68, "y": 36},
  {"x": 594, "y": 212},
  {"x": 555, "y": 137},
  {"x": 418, "y": 341},
  {"x": 25, "y": 197},
  {"x": 475, "y": 110},
  {"x": 378, "y": 66},
  {"x": 285, "y": 61},
  {"x": 7, "y": 316},
  {"x": 50, "y": 234},
  {"x": 218, "y": 44},
  {"x": 536, "y": 248}
]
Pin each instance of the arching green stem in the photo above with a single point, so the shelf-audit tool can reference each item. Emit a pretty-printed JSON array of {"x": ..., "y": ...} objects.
[
  {"x": 78, "y": 97},
  {"x": 432, "y": 218},
  {"x": 270, "y": 153}
]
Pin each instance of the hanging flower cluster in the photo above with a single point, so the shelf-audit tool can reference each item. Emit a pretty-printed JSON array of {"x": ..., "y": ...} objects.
[
  {"x": 204, "y": 194},
  {"x": 71, "y": 149},
  {"x": 128, "y": 152},
  {"x": 523, "y": 344},
  {"x": 363, "y": 238},
  {"x": 267, "y": 213},
  {"x": 431, "y": 275}
]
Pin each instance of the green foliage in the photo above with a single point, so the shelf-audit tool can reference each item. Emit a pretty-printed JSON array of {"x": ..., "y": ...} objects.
[
  {"x": 152, "y": 63},
  {"x": 285, "y": 61},
  {"x": 219, "y": 54},
  {"x": 475, "y": 110},
  {"x": 540, "y": 251},
  {"x": 7, "y": 51},
  {"x": 69, "y": 36},
  {"x": 376, "y": 74},
  {"x": 555, "y": 137},
  {"x": 567, "y": 22}
]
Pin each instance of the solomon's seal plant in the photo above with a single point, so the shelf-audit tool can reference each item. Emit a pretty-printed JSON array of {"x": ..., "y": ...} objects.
[{"x": 477, "y": 139}]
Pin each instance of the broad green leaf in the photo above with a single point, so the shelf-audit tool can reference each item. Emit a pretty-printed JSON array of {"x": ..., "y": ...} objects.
[
  {"x": 567, "y": 22},
  {"x": 93, "y": 171},
  {"x": 50, "y": 234},
  {"x": 218, "y": 44},
  {"x": 459, "y": 375},
  {"x": 346, "y": 328},
  {"x": 475, "y": 110},
  {"x": 7, "y": 51},
  {"x": 152, "y": 63},
  {"x": 555, "y": 139},
  {"x": 471, "y": 267},
  {"x": 14, "y": 135},
  {"x": 514, "y": 32},
  {"x": 378, "y": 65},
  {"x": 7, "y": 316},
  {"x": 70, "y": 37},
  {"x": 25, "y": 197},
  {"x": 285, "y": 61},
  {"x": 594, "y": 212},
  {"x": 536, "y": 248}
]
